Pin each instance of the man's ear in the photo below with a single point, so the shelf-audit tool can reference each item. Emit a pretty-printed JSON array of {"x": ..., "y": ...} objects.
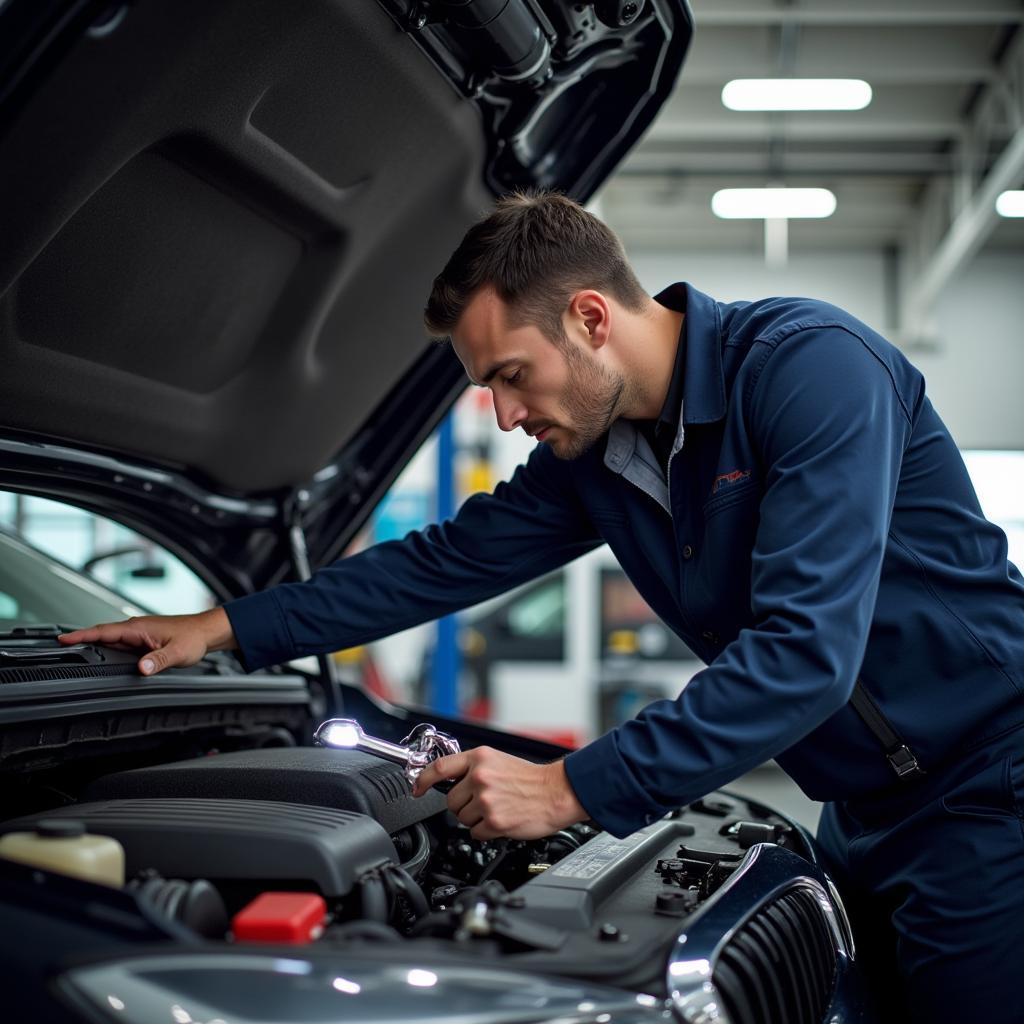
[{"x": 590, "y": 313}]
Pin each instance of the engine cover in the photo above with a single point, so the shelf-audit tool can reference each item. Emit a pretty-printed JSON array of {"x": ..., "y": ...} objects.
[
  {"x": 348, "y": 780},
  {"x": 234, "y": 839}
]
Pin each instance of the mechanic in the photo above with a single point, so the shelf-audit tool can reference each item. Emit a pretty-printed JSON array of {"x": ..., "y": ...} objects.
[{"x": 777, "y": 485}]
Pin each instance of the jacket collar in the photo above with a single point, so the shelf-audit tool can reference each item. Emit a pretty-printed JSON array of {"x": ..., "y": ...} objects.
[{"x": 704, "y": 382}]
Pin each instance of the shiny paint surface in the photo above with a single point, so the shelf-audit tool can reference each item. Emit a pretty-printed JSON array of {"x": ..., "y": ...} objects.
[{"x": 248, "y": 988}]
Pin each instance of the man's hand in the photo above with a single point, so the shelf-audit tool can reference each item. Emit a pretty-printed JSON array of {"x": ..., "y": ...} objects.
[
  {"x": 171, "y": 640},
  {"x": 501, "y": 795}
]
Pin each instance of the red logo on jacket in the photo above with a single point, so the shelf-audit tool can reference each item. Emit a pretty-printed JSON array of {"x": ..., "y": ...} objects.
[{"x": 729, "y": 478}]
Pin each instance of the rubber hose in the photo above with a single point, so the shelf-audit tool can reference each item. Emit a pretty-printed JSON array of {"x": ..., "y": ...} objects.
[
  {"x": 418, "y": 861},
  {"x": 406, "y": 884},
  {"x": 374, "y": 899}
]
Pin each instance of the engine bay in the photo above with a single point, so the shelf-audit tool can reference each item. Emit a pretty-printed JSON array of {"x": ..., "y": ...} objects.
[
  {"x": 234, "y": 831},
  {"x": 209, "y": 840}
]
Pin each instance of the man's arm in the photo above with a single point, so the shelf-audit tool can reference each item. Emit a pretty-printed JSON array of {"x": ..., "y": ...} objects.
[
  {"x": 831, "y": 429},
  {"x": 530, "y": 525}
]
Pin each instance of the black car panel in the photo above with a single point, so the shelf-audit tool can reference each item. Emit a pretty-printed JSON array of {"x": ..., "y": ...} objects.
[
  {"x": 211, "y": 217},
  {"x": 223, "y": 210}
]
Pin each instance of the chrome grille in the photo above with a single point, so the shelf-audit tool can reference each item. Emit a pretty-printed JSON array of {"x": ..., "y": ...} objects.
[{"x": 779, "y": 967}]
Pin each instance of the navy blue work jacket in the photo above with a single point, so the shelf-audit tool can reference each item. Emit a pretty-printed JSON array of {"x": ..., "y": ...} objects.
[{"x": 817, "y": 522}]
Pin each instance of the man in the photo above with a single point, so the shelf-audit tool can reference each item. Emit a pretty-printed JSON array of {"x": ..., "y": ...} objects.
[{"x": 777, "y": 485}]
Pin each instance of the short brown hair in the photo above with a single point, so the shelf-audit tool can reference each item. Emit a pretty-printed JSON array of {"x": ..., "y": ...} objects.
[{"x": 535, "y": 249}]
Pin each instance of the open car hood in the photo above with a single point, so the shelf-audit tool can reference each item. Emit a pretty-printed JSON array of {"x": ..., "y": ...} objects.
[{"x": 221, "y": 222}]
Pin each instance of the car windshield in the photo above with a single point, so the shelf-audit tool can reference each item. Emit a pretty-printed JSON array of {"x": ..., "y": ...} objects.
[{"x": 37, "y": 589}]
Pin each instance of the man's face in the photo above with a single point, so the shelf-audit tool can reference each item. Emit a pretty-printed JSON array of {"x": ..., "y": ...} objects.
[{"x": 559, "y": 393}]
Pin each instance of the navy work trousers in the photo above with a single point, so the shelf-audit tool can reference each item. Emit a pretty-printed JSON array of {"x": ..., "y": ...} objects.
[{"x": 932, "y": 876}]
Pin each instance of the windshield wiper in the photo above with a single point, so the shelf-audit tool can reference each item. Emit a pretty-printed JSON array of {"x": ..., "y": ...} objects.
[
  {"x": 37, "y": 645},
  {"x": 46, "y": 632}
]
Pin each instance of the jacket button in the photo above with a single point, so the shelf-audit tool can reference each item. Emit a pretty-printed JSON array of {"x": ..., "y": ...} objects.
[{"x": 687, "y": 552}]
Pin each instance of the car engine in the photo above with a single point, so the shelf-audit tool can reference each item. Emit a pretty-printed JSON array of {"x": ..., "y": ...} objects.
[
  {"x": 235, "y": 833},
  {"x": 205, "y": 837}
]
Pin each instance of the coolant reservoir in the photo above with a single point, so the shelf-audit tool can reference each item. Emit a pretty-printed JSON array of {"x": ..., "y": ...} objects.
[{"x": 62, "y": 845}]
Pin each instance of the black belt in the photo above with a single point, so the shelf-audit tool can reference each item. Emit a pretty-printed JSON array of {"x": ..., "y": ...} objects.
[{"x": 897, "y": 753}]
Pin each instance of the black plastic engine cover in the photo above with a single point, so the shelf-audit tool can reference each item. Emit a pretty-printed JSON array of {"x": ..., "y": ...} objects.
[
  {"x": 345, "y": 779},
  {"x": 234, "y": 839}
]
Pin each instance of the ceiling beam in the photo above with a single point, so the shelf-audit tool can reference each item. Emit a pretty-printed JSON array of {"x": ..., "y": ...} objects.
[
  {"x": 673, "y": 161},
  {"x": 731, "y": 19},
  {"x": 966, "y": 235},
  {"x": 710, "y": 72},
  {"x": 898, "y": 56},
  {"x": 972, "y": 195},
  {"x": 754, "y": 130},
  {"x": 717, "y": 15}
]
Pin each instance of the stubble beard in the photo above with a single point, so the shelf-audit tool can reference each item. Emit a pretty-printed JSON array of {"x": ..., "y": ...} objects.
[{"x": 591, "y": 402}]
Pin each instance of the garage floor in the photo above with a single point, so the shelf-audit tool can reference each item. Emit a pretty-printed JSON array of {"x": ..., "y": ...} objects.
[{"x": 770, "y": 785}]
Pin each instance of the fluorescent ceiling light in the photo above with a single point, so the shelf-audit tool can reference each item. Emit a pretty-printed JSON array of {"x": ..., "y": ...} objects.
[
  {"x": 796, "y": 94},
  {"x": 771, "y": 203},
  {"x": 1011, "y": 204}
]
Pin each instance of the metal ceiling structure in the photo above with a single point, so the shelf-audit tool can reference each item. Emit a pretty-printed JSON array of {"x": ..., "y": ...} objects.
[{"x": 915, "y": 173}]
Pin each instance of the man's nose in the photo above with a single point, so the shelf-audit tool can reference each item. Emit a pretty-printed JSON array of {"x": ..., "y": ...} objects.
[{"x": 509, "y": 412}]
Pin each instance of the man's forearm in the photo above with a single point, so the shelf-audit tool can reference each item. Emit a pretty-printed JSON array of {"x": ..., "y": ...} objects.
[{"x": 217, "y": 631}]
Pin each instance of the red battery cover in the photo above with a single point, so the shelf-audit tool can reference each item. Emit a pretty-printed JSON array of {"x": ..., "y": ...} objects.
[{"x": 288, "y": 917}]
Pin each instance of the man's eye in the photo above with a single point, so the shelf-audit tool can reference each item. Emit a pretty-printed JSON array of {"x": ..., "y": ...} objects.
[{"x": 514, "y": 378}]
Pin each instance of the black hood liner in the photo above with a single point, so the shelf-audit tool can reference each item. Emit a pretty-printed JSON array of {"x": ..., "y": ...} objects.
[
  {"x": 221, "y": 224},
  {"x": 221, "y": 220}
]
